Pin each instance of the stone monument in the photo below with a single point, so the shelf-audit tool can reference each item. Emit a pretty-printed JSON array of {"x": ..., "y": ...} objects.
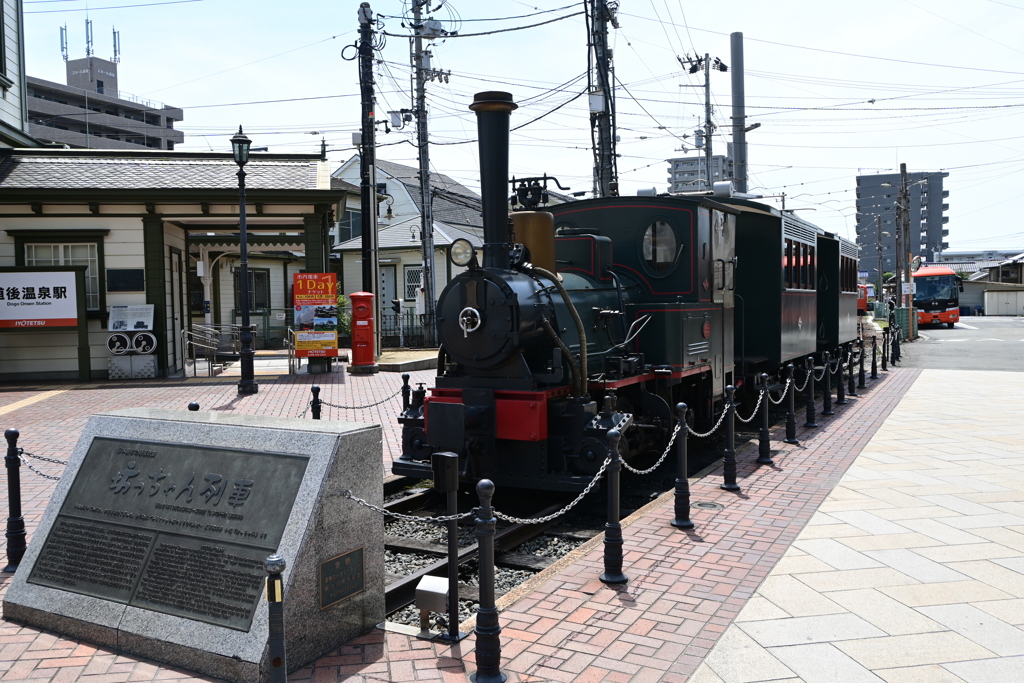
[{"x": 154, "y": 540}]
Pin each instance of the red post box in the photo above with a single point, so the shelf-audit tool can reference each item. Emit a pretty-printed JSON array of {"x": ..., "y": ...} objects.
[{"x": 363, "y": 350}]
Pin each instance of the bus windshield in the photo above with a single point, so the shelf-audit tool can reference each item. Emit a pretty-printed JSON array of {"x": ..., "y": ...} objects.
[{"x": 936, "y": 287}]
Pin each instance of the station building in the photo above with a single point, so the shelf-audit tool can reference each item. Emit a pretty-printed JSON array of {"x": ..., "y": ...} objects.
[{"x": 155, "y": 219}]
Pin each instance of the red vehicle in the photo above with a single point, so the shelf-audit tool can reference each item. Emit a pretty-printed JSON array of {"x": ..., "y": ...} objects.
[
  {"x": 862, "y": 299},
  {"x": 937, "y": 296}
]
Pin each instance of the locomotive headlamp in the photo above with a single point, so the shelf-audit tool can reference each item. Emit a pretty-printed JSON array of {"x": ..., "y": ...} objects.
[{"x": 461, "y": 252}]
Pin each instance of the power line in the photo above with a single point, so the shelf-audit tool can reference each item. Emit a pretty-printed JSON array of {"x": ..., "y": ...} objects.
[
  {"x": 491, "y": 33},
  {"x": 96, "y": 9},
  {"x": 844, "y": 54},
  {"x": 521, "y": 16}
]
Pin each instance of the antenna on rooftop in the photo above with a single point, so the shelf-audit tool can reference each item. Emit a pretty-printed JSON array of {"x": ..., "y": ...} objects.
[
  {"x": 64, "y": 42},
  {"x": 88, "y": 37},
  {"x": 117, "y": 47}
]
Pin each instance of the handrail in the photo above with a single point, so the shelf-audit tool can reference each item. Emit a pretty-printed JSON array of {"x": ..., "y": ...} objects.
[{"x": 289, "y": 342}]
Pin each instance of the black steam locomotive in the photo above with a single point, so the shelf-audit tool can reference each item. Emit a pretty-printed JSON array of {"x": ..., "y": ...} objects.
[{"x": 575, "y": 319}]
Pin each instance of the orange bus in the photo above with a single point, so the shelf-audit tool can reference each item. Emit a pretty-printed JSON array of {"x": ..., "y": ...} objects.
[{"x": 937, "y": 295}]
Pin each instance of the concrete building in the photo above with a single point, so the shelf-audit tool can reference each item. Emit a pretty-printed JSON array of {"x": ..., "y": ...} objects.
[
  {"x": 14, "y": 128},
  {"x": 877, "y": 196},
  {"x": 689, "y": 174},
  {"x": 91, "y": 112}
]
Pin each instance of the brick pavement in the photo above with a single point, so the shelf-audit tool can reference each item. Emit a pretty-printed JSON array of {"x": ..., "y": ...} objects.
[{"x": 684, "y": 591}]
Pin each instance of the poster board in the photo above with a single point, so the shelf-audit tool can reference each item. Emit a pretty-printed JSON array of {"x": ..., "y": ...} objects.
[
  {"x": 131, "y": 318},
  {"x": 46, "y": 298},
  {"x": 315, "y": 297}
]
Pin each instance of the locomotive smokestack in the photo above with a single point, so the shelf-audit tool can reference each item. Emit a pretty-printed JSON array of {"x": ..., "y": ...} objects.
[{"x": 493, "y": 110}]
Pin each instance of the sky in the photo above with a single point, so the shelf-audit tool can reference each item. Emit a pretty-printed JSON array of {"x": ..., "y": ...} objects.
[{"x": 839, "y": 89}]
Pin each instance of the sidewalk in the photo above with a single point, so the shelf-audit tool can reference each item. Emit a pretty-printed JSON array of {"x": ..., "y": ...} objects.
[
  {"x": 788, "y": 550},
  {"x": 913, "y": 569}
]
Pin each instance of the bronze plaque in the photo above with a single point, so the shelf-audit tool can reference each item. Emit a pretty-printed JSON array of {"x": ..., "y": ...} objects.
[
  {"x": 341, "y": 578},
  {"x": 172, "y": 528}
]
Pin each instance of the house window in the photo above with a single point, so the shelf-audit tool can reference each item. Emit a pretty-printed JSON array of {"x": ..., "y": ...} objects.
[
  {"x": 413, "y": 281},
  {"x": 259, "y": 290},
  {"x": 350, "y": 226},
  {"x": 82, "y": 254}
]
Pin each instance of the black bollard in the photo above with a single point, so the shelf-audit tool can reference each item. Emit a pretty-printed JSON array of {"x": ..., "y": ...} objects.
[
  {"x": 274, "y": 566},
  {"x": 729, "y": 461},
  {"x": 851, "y": 387},
  {"x": 861, "y": 379},
  {"x": 682, "y": 501},
  {"x": 15, "y": 522},
  {"x": 885, "y": 349},
  {"x": 315, "y": 404},
  {"x": 488, "y": 630},
  {"x": 193, "y": 407},
  {"x": 791, "y": 406},
  {"x": 764, "y": 441},
  {"x": 809, "y": 366},
  {"x": 896, "y": 334},
  {"x": 826, "y": 400},
  {"x": 406, "y": 392},
  {"x": 613, "y": 529},
  {"x": 841, "y": 382},
  {"x": 874, "y": 356}
]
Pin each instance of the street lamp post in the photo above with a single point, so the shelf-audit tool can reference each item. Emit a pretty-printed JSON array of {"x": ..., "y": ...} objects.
[{"x": 247, "y": 385}]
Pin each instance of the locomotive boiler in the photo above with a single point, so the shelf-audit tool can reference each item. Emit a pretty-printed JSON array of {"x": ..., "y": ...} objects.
[{"x": 593, "y": 315}]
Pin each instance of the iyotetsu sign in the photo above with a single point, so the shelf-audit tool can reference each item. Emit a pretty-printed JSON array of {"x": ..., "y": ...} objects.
[{"x": 34, "y": 299}]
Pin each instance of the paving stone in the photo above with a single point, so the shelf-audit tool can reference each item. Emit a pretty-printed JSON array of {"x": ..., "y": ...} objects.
[
  {"x": 823, "y": 663},
  {"x": 981, "y": 627},
  {"x": 803, "y": 630}
]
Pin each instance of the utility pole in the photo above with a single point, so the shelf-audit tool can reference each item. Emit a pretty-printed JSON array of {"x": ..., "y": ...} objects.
[
  {"x": 707, "y": 120},
  {"x": 878, "y": 247},
  {"x": 368, "y": 166},
  {"x": 602, "y": 99},
  {"x": 739, "y": 116},
  {"x": 905, "y": 230},
  {"x": 421, "y": 65}
]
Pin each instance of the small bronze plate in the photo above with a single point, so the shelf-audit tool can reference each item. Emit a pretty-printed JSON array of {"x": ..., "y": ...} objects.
[{"x": 341, "y": 578}]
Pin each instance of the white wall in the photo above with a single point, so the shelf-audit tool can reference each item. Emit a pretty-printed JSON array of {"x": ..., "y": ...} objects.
[{"x": 11, "y": 103}]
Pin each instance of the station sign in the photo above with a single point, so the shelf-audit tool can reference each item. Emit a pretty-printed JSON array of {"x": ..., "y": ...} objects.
[
  {"x": 38, "y": 299},
  {"x": 315, "y": 297}
]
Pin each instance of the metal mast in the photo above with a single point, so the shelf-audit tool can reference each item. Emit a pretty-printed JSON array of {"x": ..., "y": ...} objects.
[
  {"x": 421, "y": 66},
  {"x": 602, "y": 99},
  {"x": 905, "y": 256},
  {"x": 368, "y": 164}
]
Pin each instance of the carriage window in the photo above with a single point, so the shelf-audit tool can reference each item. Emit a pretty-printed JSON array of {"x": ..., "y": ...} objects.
[
  {"x": 659, "y": 246},
  {"x": 811, "y": 268},
  {"x": 787, "y": 265}
]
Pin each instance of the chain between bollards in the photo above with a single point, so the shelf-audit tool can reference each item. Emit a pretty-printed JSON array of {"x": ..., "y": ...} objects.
[
  {"x": 682, "y": 499},
  {"x": 278, "y": 660},
  {"x": 874, "y": 356},
  {"x": 15, "y": 522},
  {"x": 809, "y": 364},
  {"x": 613, "y": 529},
  {"x": 791, "y": 406},
  {"x": 488, "y": 630},
  {"x": 826, "y": 401},
  {"x": 316, "y": 404},
  {"x": 729, "y": 459},
  {"x": 764, "y": 441}
]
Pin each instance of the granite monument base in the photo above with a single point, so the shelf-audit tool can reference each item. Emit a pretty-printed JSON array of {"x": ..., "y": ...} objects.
[{"x": 153, "y": 541}]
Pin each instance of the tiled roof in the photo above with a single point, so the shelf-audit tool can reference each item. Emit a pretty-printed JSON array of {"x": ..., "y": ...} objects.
[
  {"x": 454, "y": 203},
  {"x": 138, "y": 172}
]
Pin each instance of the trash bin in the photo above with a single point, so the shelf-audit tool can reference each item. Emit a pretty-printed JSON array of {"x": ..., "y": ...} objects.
[{"x": 965, "y": 311}]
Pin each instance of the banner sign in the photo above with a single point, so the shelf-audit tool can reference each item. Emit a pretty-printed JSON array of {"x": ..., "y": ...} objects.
[
  {"x": 316, "y": 315},
  {"x": 133, "y": 318},
  {"x": 38, "y": 299}
]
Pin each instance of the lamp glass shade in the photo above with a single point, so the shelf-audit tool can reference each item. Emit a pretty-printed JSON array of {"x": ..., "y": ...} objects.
[{"x": 240, "y": 147}]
